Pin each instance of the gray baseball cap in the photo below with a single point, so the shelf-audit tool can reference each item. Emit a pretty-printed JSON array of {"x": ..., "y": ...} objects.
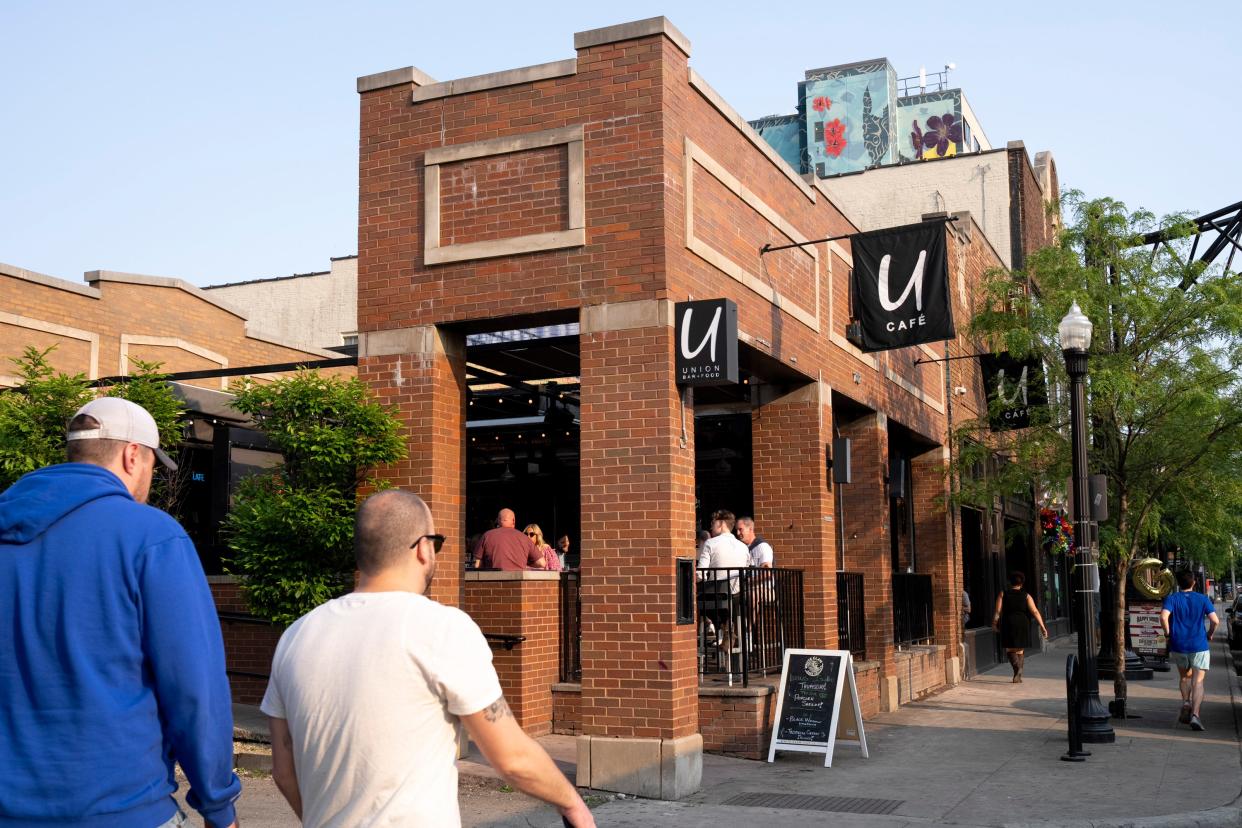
[{"x": 122, "y": 420}]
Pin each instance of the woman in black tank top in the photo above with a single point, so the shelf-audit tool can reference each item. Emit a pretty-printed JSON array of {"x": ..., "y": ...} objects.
[{"x": 1012, "y": 619}]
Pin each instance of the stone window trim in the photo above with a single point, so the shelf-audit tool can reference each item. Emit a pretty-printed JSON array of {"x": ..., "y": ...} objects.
[
  {"x": 171, "y": 342},
  {"x": 91, "y": 338},
  {"x": 573, "y": 236}
]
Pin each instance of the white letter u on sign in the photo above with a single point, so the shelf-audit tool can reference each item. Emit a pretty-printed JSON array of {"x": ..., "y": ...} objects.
[
  {"x": 915, "y": 284},
  {"x": 710, "y": 336}
]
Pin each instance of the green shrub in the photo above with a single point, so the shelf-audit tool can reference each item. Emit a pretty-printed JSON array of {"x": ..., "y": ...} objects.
[{"x": 291, "y": 529}]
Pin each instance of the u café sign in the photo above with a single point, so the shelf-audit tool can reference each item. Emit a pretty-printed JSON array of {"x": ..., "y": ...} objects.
[{"x": 706, "y": 334}]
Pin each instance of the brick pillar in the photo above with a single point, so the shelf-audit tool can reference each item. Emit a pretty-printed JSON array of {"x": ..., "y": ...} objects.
[
  {"x": 639, "y": 679},
  {"x": 422, "y": 372},
  {"x": 526, "y": 604},
  {"x": 939, "y": 552},
  {"x": 865, "y": 523},
  {"x": 793, "y": 505}
]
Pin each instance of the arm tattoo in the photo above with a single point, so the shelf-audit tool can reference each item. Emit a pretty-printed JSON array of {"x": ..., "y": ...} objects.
[{"x": 497, "y": 710}]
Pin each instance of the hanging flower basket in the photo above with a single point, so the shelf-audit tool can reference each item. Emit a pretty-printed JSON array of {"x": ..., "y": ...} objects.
[{"x": 1058, "y": 532}]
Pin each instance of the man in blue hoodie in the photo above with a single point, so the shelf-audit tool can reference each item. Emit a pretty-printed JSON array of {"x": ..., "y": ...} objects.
[{"x": 111, "y": 660}]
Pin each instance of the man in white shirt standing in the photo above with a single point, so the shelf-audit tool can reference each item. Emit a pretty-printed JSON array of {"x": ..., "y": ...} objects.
[
  {"x": 760, "y": 550},
  {"x": 367, "y": 689},
  {"x": 722, "y": 549}
]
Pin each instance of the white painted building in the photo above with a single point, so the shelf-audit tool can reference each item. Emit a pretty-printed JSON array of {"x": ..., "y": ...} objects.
[
  {"x": 989, "y": 184},
  {"x": 316, "y": 309}
]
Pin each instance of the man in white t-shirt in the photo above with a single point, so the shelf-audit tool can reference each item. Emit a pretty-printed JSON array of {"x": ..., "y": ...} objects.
[
  {"x": 367, "y": 690},
  {"x": 760, "y": 550},
  {"x": 722, "y": 549},
  {"x": 722, "y": 552}
]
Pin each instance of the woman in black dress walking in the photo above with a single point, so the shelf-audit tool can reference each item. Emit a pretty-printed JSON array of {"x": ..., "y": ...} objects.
[{"x": 1014, "y": 611}]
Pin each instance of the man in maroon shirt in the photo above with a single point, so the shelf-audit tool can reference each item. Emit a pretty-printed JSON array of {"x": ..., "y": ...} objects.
[{"x": 506, "y": 548}]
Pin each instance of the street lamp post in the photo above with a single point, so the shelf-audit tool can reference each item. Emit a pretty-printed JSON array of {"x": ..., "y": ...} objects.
[{"x": 1075, "y": 335}]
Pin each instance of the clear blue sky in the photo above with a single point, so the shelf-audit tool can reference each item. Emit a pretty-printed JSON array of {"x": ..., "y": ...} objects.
[{"x": 218, "y": 141}]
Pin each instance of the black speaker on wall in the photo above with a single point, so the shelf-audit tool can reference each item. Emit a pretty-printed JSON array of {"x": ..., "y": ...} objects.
[
  {"x": 897, "y": 477},
  {"x": 840, "y": 460}
]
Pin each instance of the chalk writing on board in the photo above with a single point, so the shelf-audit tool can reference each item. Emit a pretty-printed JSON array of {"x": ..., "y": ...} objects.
[{"x": 810, "y": 690}]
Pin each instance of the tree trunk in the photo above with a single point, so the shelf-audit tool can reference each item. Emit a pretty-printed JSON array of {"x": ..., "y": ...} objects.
[{"x": 1122, "y": 568}]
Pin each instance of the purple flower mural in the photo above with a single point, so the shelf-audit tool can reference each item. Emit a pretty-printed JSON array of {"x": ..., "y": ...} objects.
[{"x": 942, "y": 130}]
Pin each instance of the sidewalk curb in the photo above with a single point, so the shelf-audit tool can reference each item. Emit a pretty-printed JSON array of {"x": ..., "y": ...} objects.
[{"x": 1219, "y": 817}]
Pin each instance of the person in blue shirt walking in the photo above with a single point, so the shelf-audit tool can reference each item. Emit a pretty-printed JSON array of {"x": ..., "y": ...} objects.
[
  {"x": 111, "y": 659},
  {"x": 1183, "y": 621}
]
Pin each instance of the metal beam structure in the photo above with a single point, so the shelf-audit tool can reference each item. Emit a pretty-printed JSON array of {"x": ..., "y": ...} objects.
[{"x": 1225, "y": 224}]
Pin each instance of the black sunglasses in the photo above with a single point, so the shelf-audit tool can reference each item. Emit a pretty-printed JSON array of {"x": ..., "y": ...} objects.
[{"x": 437, "y": 541}]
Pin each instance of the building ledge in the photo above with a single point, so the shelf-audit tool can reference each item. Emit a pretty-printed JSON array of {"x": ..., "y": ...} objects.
[
  {"x": 496, "y": 80},
  {"x": 394, "y": 77},
  {"x": 518, "y": 575},
  {"x": 632, "y": 31}
]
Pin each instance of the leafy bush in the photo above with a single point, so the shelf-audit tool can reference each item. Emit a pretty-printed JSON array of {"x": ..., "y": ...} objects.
[
  {"x": 291, "y": 529},
  {"x": 33, "y": 416}
]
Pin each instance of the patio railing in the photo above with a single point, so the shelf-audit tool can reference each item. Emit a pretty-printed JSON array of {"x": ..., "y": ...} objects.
[
  {"x": 851, "y": 615},
  {"x": 746, "y": 619},
  {"x": 571, "y": 627},
  {"x": 912, "y": 609}
]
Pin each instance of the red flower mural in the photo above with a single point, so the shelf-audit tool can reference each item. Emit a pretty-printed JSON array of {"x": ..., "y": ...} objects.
[
  {"x": 834, "y": 137},
  {"x": 821, "y": 104}
]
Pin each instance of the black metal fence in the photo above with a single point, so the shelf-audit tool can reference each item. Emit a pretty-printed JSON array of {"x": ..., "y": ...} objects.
[
  {"x": 851, "y": 615},
  {"x": 912, "y": 608},
  {"x": 746, "y": 620},
  {"x": 571, "y": 626}
]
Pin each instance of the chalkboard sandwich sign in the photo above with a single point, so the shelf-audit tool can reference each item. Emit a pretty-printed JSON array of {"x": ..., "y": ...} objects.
[{"x": 809, "y": 718}]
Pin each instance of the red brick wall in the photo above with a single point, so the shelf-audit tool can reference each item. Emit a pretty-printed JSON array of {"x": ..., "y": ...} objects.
[
  {"x": 793, "y": 507},
  {"x": 615, "y": 95},
  {"x": 428, "y": 391},
  {"x": 1028, "y": 208},
  {"x": 567, "y": 709},
  {"x": 932, "y": 532},
  {"x": 865, "y": 519},
  {"x": 528, "y": 671},
  {"x": 737, "y": 725},
  {"x": 638, "y": 665},
  {"x": 499, "y": 197},
  {"x": 637, "y": 109},
  {"x": 920, "y": 670},
  {"x": 867, "y": 677},
  {"x": 248, "y": 647},
  {"x": 136, "y": 310}
]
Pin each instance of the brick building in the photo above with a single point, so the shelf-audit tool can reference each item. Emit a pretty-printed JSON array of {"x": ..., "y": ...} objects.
[
  {"x": 584, "y": 197},
  {"x": 98, "y": 326}
]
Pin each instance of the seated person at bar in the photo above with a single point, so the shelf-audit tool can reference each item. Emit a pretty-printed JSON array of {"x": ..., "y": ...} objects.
[{"x": 506, "y": 548}]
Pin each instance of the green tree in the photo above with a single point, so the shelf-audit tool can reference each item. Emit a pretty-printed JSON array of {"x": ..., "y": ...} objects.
[
  {"x": 148, "y": 387},
  {"x": 291, "y": 529},
  {"x": 34, "y": 415},
  {"x": 1163, "y": 392}
]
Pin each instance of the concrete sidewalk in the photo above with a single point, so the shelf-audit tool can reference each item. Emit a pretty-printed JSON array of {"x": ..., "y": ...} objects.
[{"x": 985, "y": 753}]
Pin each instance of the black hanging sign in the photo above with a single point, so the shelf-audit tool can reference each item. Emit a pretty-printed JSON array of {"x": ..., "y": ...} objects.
[
  {"x": 706, "y": 334},
  {"x": 1014, "y": 387},
  {"x": 901, "y": 286}
]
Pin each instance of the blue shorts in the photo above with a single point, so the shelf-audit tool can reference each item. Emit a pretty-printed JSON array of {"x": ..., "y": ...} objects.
[{"x": 1188, "y": 661}]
